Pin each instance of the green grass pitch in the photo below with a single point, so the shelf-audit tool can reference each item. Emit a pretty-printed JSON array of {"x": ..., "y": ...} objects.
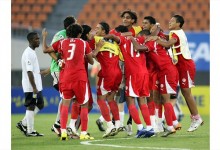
[{"x": 182, "y": 140}]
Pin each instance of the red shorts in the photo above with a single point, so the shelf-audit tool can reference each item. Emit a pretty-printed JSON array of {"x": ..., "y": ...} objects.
[
  {"x": 168, "y": 80},
  {"x": 137, "y": 85},
  {"x": 109, "y": 83},
  {"x": 76, "y": 88},
  {"x": 187, "y": 72},
  {"x": 153, "y": 81}
]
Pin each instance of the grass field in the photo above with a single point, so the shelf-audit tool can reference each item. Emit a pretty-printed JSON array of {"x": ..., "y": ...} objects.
[{"x": 182, "y": 140}]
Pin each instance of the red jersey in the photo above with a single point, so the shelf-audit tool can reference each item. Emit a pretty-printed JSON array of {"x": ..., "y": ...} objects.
[
  {"x": 162, "y": 35},
  {"x": 73, "y": 51},
  {"x": 113, "y": 31},
  {"x": 92, "y": 44},
  {"x": 180, "y": 57},
  {"x": 158, "y": 55},
  {"x": 109, "y": 63},
  {"x": 135, "y": 62}
]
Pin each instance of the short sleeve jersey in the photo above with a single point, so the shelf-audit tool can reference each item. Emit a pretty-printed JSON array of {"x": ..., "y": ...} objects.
[
  {"x": 180, "y": 57},
  {"x": 109, "y": 61},
  {"x": 58, "y": 36},
  {"x": 135, "y": 62},
  {"x": 73, "y": 51},
  {"x": 158, "y": 54},
  {"x": 29, "y": 62}
]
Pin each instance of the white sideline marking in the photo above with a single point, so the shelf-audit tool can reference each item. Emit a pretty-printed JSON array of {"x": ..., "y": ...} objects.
[{"x": 120, "y": 146}]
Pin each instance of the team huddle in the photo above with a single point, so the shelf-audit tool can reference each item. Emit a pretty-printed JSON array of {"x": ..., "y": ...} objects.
[{"x": 136, "y": 63}]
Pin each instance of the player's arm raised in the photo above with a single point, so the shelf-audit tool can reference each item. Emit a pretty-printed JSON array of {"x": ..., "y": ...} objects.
[
  {"x": 97, "y": 49},
  {"x": 46, "y": 49}
]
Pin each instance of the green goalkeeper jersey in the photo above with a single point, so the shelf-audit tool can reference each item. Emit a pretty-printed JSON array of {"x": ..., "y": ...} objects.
[{"x": 59, "y": 35}]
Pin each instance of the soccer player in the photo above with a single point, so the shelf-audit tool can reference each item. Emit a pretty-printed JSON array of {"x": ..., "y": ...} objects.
[
  {"x": 55, "y": 68},
  {"x": 129, "y": 19},
  {"x": 185, "y": 65},
  {"x": 75, "y": 111},
  {"x": 74, "y": 77},
  {"x": 136, "y": 81},
  {"x": 32, "y": 86},
  {"x": 168, "y": 77},
  {"x": 110, "y": 76}
]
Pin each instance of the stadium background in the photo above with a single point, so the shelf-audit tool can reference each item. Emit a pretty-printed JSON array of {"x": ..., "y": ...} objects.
[{"x": 30, "y": 15}]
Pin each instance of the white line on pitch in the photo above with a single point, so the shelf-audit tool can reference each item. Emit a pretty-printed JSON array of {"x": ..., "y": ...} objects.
[{"x": 120, "y": 146}]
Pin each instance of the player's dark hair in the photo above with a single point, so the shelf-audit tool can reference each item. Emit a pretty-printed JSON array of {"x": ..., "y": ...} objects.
[
  {"x": 86, "y": 30},
  {"x": 144, "y": 32},
  {"x": 131, "y": 13},
  {"x": 68, "y": 21},
  {"x": 105, "y": 27},
  {"x": 121, "y": 29},
  {"x": 73, "y": 30},
  {"x": 31, "y": 35},
  {"x": 151, "y": 19},
  {"x": 179, "y": 19}
]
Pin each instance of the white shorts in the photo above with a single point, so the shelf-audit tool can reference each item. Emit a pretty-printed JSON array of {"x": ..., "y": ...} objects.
[{"x": 55, "y": 76}]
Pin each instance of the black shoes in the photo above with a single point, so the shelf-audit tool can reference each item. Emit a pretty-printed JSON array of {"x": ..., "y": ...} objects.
[
  {"x": 100, "y": 125},
  {"x": 34, "y": 133},
  {"x": 21, "y": 127}
]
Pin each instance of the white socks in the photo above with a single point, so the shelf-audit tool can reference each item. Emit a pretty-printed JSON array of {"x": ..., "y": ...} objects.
[
  {"x": 58, "y": 111},
  {"x": 101, "y": 119},
  {"x": 122, "y": 116},
  {"x": 30, "y": 120},
  {"x": 24, "y": 121},
  {"x": 140, "y": 126},
  {"x": 72, "y": 123},
  {"x": 153, "y": 121}
]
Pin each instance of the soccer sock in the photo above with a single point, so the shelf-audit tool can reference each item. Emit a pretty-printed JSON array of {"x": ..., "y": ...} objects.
[
  {"x": 114, "y": 109},
  {"x": 140, "y": 126},
  {"x": 84, "y": 119},
  {"x": 122, "y": 116},
  {"x": 75, "y": 110},
  {"x": 101, "y": 118},
  {"x": 175, "y": 123},
  {"x": 134, "y": 113},
  {"x": 168, "y": 113},
  {"x": 153, "y": 121},
  {"x": 173, "y": 114},
  {"x": 104, "y": 110},
  {"x": 58, "y": 111},
  {"x": 30, "y": 120},
  {"x": 64, "y": 116},
  {"x": 145, "y": 114},
  {"x": 24, "y": 121},
  {"x": 151, "y": 108},
  {"x": 72, "y": 123}
]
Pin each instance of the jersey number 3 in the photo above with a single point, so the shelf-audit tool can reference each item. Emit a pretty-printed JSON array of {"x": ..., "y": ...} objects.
[{"x": 71, "y": 51}]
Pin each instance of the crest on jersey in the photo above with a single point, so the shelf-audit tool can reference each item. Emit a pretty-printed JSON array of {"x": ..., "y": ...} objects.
[
  {"x": 29, "y": 63},
  {"x": 184, "y": 80}
]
